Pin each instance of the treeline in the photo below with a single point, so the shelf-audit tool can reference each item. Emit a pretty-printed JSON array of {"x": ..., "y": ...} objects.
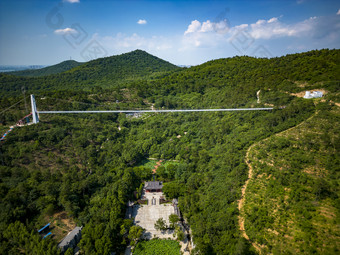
[{"x": 156, "y": 78}]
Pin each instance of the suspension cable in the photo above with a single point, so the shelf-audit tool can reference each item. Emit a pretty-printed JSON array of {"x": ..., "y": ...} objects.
[{"x": 11, "y": 106}]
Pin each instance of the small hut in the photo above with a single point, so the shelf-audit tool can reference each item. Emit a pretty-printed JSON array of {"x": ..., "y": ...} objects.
[{"x": 314, "y": 94}]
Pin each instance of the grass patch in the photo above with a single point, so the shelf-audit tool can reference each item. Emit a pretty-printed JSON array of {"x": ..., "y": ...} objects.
[
  {"x": 148, "y": 163},
  {"x": 167, "y": 162},
  {"x": 157, "y": 246}
]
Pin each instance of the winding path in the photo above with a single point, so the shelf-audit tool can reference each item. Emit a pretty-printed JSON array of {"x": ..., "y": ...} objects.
[
  {"x": 241, "y": 201},
  {"x": 250, "y": 176},
  {"x": 158, "y": 164}
]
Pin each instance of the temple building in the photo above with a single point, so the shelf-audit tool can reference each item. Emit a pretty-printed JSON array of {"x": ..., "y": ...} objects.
[{"x": 154, "y": 186}]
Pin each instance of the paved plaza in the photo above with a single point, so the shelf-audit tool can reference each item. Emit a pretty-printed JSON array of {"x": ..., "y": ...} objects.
[{"x": 146, "y": 215}]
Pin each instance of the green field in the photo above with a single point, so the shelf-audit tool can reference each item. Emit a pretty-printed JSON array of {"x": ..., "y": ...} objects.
[{"x": 157, "y": 246}]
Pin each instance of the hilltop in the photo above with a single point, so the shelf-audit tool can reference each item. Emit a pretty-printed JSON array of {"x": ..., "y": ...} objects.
[
  {"x": 108, "y": 72},
  {"x": 54, "y": 69}
]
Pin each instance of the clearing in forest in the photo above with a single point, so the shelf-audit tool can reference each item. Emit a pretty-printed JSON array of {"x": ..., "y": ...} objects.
[
  {"x": 147, "y": 215},
  {"x": 61, "y": 224}
]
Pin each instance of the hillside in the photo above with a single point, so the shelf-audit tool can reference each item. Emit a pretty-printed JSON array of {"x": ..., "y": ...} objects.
[
  {"x": 108, "y": 72},
  {"x": 54, "y": 69},
  {"x": 292, "y": 201},
  {"x": 233, "y": 82},
  {"x": 88, "y": 166}
]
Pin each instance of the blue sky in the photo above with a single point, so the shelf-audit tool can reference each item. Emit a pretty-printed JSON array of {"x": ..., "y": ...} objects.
[{"x": 46, "y": 32}]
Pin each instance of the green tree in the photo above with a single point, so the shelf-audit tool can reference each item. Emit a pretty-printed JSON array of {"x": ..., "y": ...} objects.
[
  {"x": 160, "y": 224},
  {"x": 69, "y": 251},
  {"x": 135, "y": 234},
  {"x": 173, "y": 219},
  {"x": 180, "y": 235}
]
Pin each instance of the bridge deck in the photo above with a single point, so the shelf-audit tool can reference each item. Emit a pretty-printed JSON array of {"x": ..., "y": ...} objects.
[{"x": 169, "y": 110}]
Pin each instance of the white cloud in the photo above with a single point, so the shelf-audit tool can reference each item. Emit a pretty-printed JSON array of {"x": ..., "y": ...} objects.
[
  {"x": 267, "y": 29},
  {"x": 204, "y": 35},
  {"x": 272, "y": 20},
  {"x": 195, "y": 26},
  {"x": 65, "y": 31},
  {"x": 203, "y": 40},
  {"x": 207, "y": 34},
  {"x": 338, "y": 13},
  {"x": 207, "y": 26},
  {"x": 273, "y": 28},
  {"x": 142, "y": 22},
  {"x": 313, "y": 28},
  {"x": 261, "y": 29},
  {"x": 72, "y": 1}
]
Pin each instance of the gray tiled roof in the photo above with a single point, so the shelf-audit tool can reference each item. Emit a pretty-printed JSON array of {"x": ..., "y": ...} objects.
[
  {"x": 153, "y": 185},
  {"x": 70, "y": 236}
]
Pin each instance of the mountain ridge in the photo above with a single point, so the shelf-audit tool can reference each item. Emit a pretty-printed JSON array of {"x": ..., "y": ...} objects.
[
  {"x": 106, "y": 72},
  {"x": 49, "y": 70}
]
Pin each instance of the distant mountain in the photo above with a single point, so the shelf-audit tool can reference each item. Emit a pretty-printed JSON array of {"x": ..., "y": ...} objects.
[
  {"x": 130, "y": 65},
  {"x": 55, "y": 69},
  {"x": 13, "y": 68},
  {"x": 186, "y": 66},
  {"x": 106, "y": 72}
]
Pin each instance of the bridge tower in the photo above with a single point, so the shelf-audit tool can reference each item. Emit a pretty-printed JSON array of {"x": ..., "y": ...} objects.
[{"x": 34, "y": 110}]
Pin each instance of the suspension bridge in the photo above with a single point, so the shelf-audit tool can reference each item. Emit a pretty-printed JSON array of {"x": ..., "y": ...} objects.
[{"x": 35, "y": 113}]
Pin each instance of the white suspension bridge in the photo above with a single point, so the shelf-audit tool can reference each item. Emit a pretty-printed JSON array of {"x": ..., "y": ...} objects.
[{"x": 35, "y": 113}]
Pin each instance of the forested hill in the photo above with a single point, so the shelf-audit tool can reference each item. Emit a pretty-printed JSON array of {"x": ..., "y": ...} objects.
[
  {"x": 106, "y": 72},
  {"x": 54, "y": 69},
  {"x": 233, "y": 82}
]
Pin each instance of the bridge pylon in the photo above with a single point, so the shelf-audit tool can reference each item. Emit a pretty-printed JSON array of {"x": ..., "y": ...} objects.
[{"x": 34, "y": 110}]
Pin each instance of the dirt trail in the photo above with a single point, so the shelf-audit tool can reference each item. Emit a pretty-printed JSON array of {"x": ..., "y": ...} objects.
[
  {"x": 241, "y": 201},
  {"x": 158, "y": 164},
  {"x": 250, "y": 176}
]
